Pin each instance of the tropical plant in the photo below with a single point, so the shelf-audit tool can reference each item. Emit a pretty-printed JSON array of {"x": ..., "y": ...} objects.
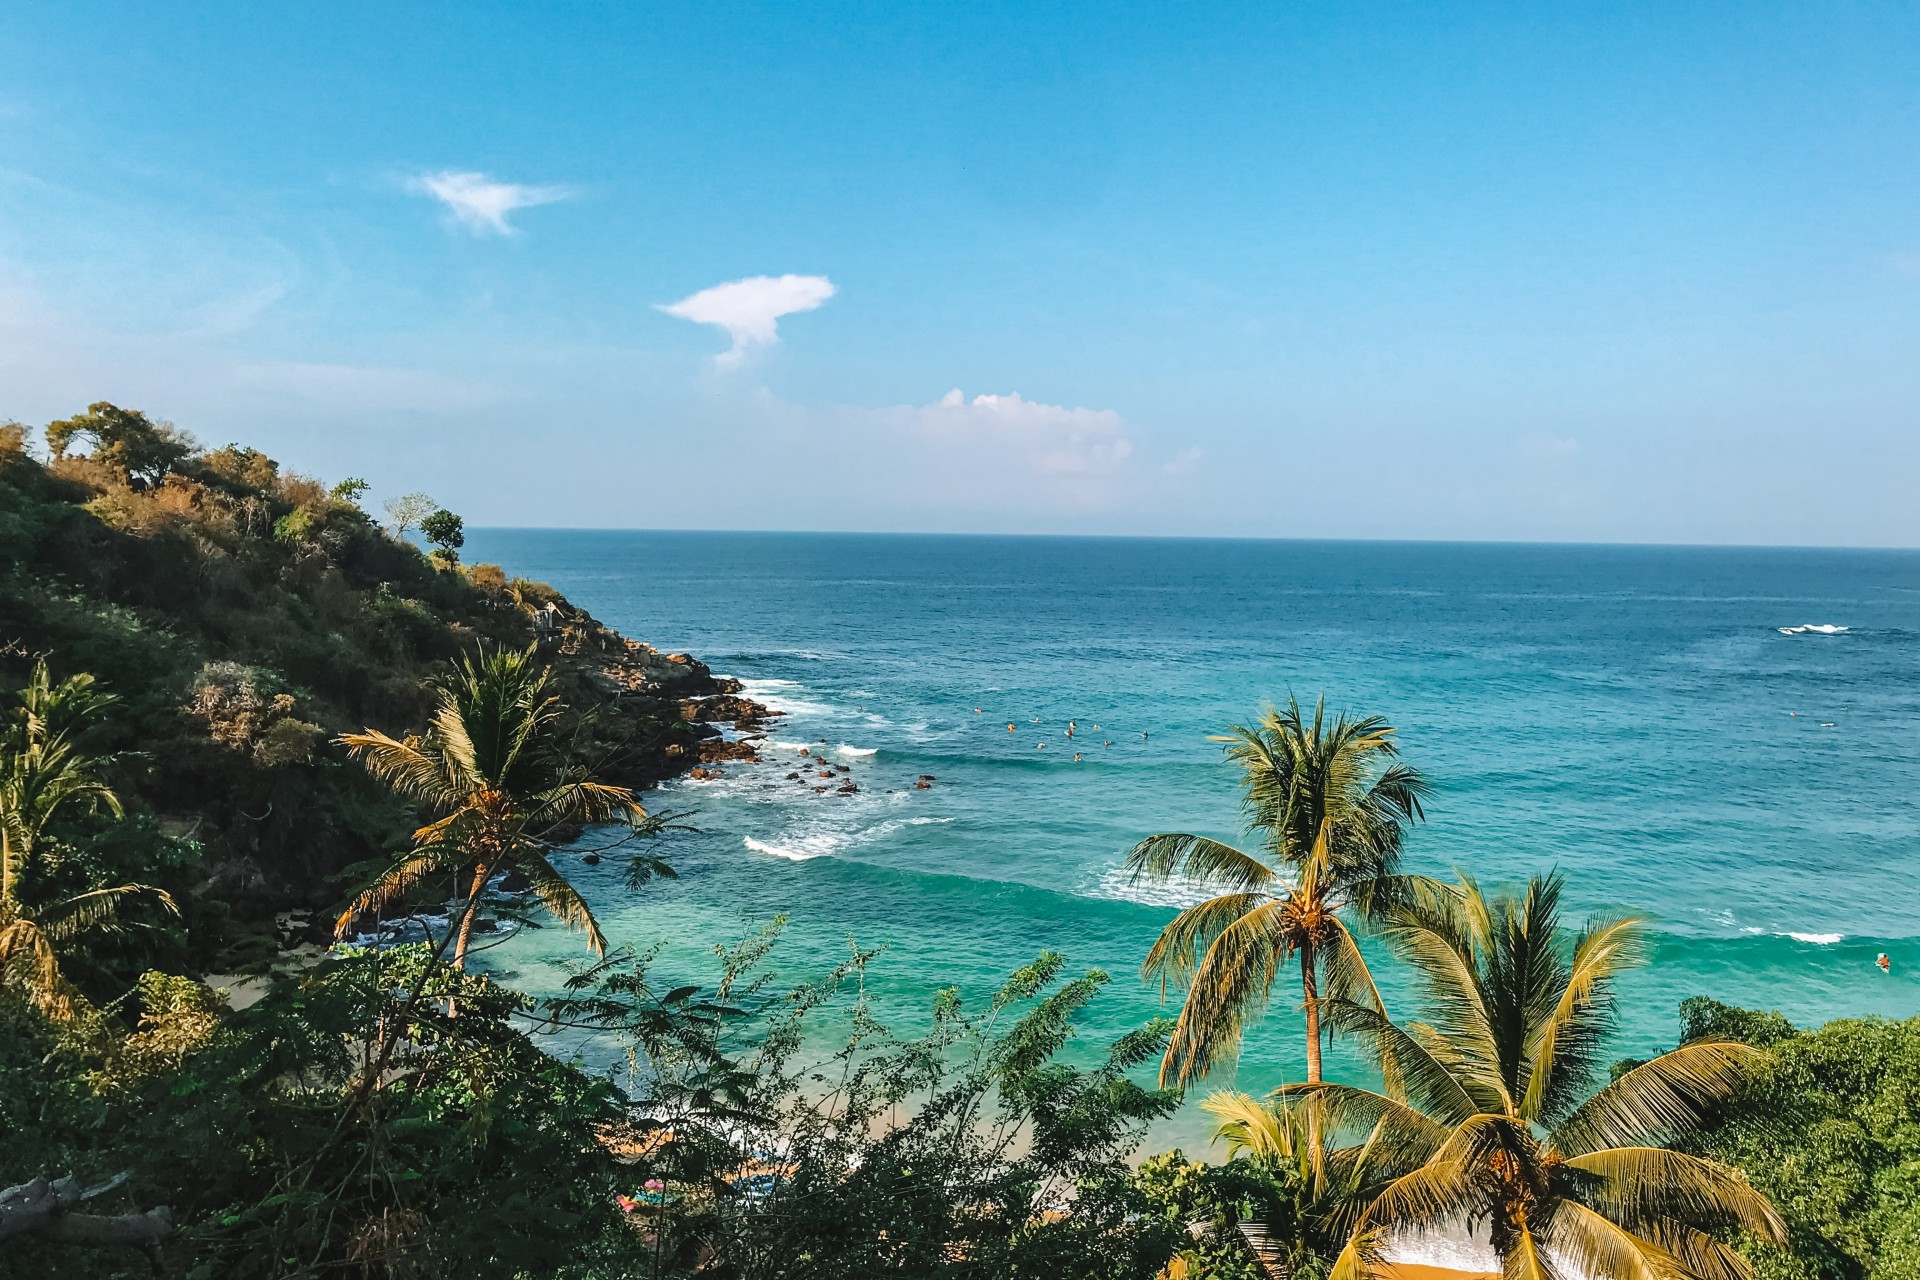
[
  {"x": 1330, "y": 805},
  {"x": 46, "y": 771},
  {"x": 1485, "y": 1107},
  {"x": 447, "y": 532},
  {"x": 495, "y": 773}
]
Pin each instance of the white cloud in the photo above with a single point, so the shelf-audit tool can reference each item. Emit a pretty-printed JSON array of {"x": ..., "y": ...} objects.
[
  {"x": 480, "y": 203},
  {"x": 1046, "y": 439},
  {"x": 750, "y": 310}
]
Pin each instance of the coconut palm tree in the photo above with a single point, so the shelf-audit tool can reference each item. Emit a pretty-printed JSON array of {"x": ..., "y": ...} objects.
[
  {"x": 1486, "y": 1105},
  {"x": 494, "y": 772},
  {"x": 1316, "y": 1192},
  {"x": 1330, "y": 804},
  {"x": 46, "y": 772}
]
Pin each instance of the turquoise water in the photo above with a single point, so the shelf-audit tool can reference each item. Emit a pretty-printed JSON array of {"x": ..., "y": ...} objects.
[{"x": 1632, "y": 716}]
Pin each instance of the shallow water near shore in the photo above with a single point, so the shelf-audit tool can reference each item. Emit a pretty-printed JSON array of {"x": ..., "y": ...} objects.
[{"x": 1633, "y": 716}]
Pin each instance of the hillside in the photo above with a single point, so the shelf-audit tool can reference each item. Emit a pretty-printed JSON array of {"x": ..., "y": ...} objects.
[{"x": 244, "y": 615}]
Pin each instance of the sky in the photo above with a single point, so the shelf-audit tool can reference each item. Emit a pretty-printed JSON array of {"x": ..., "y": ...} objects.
[{"x": 1594, "y": 272}]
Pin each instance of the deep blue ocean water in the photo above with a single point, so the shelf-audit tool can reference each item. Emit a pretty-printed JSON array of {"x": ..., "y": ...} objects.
[{"x": 1630, "y": 715}]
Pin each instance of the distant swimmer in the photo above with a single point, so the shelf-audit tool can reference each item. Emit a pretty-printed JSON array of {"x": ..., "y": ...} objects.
[
  {"x": 1009, "y": 726},
  {"x": 1109, "y": 742},
  {"x": 976, "y": 711},
  {"x": 1039, "y": 746},
  {"x": 1886, "y": 965},
  {"x": 1143, "y": 733}
]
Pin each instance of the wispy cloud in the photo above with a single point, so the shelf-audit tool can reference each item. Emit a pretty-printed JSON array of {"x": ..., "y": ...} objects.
[
  {"x": 750, "y": 309},
  {"x": 1047, "y": 439},
  {"x": 481, "y": 204}
]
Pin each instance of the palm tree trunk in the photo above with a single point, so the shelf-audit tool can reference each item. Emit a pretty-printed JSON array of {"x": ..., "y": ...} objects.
[
  {"x": 1310, "y": 986},
  {"x": 481, "y": 871}
]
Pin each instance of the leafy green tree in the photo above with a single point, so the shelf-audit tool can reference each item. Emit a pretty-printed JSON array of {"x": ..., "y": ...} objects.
[
  {"x": 350, "y": 489},
  {"x": 447, "y": 532},
  {"x": 1486, "y": 1111},
  {"x": 774, "y": 1150},
  {"x": 45, "y": 772},
  {"x": 1330, "y": 805},
  {"x": 1830, "y": 1131},
  {"x": 126, "y": 438}
]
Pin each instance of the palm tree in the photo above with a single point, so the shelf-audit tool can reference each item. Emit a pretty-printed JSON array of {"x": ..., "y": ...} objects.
[
  {"x": 45, "y": 772},
  {"x": 1316, "y": 1193},
  {"x": 1330, "y": 805},
  {"x": 494, "y": 771},
  {"x": 1486, "y": 1105}
]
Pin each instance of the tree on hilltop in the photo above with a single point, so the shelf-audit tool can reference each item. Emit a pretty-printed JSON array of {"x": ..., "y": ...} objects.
[
  {"x": 125, "y": 438},
  {"x": 408, "y": 510}
]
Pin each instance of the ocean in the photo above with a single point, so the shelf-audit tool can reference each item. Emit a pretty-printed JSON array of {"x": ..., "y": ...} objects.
[{"x": 1631, "y": 716}]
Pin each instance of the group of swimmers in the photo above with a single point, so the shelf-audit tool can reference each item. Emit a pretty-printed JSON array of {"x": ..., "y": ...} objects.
[{"x": 1073, "y": 727}]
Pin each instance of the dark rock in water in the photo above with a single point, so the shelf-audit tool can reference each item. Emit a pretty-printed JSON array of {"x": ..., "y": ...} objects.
[
  {"x": 806, "y": 751},
  {"x": 485, "y": 924},
  {"x": 515, "y": 883},
  {"x": 923, "y": 785},
  {"x": 819, "y": 788},
  {"x": 844, "y": 768},
  {"x": 591, "y": 859},
  {"x": 926, "y": 777},
  {"x": 793, "y": 777},
  {"x": 826, "y": 773},
  {"x": 849, "y": 788}
]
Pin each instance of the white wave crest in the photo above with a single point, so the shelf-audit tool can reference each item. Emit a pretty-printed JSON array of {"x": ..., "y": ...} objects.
[
  {"x": 1817, "y": 939},
  {"x": 1118, "y": 884},
  {"x": 846, "y": 750},
  {"x": 792, "y": 853},
  {"x": 1813, "y": 628}
]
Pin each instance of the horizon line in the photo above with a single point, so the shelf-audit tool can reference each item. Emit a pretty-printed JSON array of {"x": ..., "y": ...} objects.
[{"x": 1204, "y": 537}]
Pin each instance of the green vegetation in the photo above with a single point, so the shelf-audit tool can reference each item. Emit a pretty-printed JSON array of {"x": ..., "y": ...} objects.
[
  {"x": 1330, "y": 805},
  {"x": 190, "y": 639},
  {"x": 1485, "y": 1110},
  {"x": 244, "y": 616},
  {"x": 1830, "y": 1132}
]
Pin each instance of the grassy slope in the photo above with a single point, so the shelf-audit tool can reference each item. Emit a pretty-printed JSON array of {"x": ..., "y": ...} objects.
[{"x": 244, "y": 616}]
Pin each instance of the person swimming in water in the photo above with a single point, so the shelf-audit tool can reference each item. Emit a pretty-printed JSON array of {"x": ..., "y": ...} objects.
[
  {"x": 1886, "y": 965},
  {"x": 1009, "y": 726}
]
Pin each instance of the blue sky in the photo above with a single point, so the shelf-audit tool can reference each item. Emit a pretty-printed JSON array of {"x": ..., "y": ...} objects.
[{"x": 1622, "y": 272}]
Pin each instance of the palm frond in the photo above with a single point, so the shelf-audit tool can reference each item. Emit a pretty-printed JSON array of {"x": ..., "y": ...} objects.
[
  {"x": 561, "y": 899},
  {"x": 1404, "y": 1133},
  {"x": 1204, "y": 861},
  {"x": 1269, "y": 1130},
  {"x": 97, "y": 907},
  {"x": 417, "y": 775},
  {"x": 1561, "y": 1048},
  {"x": 1595, "y": 1246},
  {"x": 396, "y": 881},
  {"x": 1409, "y": 1069},
  {"x": 1229, "y": 985},
  {"x": 1660, "y": 1100},
  {"x": 1176, "y": 953},
  {"x": 1638, "y": 1186}
]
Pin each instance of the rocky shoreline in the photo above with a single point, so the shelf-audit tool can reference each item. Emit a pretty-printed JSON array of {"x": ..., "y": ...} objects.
[{"x": 649, "y": 717}]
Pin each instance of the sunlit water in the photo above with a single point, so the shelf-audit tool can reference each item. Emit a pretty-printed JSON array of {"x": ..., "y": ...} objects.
[{"x": 1632, "y": 716}]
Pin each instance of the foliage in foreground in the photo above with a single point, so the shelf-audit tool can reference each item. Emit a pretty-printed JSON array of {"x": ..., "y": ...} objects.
[
  {"x": 739, "y": 1146},
  {"x": 1830, "y": 1131}
]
